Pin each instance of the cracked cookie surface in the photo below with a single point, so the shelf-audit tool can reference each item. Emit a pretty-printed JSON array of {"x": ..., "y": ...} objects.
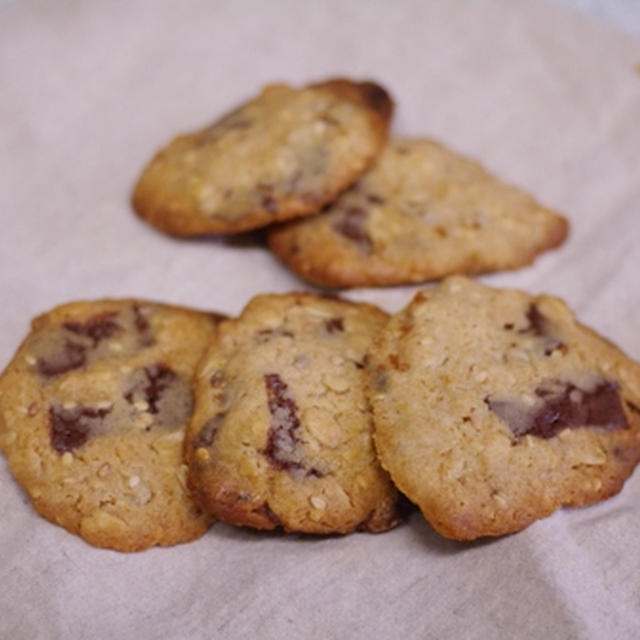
[
  {"x": 283, "y": 154},
  {"x": 421, "y": 213},
  {"x": 493, "y": 408},
  {"x": 281, "y": 432},
  {"x": 93, "y": 409}
]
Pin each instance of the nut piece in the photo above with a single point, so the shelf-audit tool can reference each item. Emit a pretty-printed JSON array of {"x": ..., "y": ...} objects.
[{"x": 317, "y": 502}]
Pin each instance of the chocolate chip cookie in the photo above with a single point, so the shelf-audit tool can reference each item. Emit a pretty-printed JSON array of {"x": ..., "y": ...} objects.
[
  {"x": 93, "y": 409},
  {"x": 421, "y": 213},
  {"x": 283, "y": 154},
  {"x": 281, "y": 432},
  {"x": 494, "y": 408}
]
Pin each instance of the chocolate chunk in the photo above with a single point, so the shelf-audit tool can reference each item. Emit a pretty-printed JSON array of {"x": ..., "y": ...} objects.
[
  {"x": 282, "y": 439},
  {"x": 143, "y": 326},
  {"x": 350, "y": 224},
  {"x": 564, "y": 405},
  {"x": 166, "y": 395},
  {"x": 539, "y": 326},
  {"x": 72, "y": 356},
  {"x": 334, "y": 325},
  {"x": 71, "y": 428},
  {"x": 97, "y": 328},
  {"x": 374, "y": 199},
  {"x": 209, "y": 430},
  {"x": 140, "y": 321},
  {"x": 158, "y": 378},
  {"x": 538, "y": 323},
  {"x": 77, "y": 344}
]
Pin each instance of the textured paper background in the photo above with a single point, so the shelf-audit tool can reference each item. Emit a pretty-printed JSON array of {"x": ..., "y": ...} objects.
[{"x": 544, "y": 97}]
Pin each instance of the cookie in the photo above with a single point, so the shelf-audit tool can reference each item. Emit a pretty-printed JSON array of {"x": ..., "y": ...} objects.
[
  {"x": 281, "y": 431},
  {"x": 421, "y": 213},
  {"x": 284, "y": 154},
  {"x": 494, "y": 408},
  {"x": 93, "y": 409}
]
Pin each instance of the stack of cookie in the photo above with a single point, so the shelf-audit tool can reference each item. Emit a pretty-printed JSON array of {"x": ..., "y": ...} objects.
[
  {"x": 369, "y": 212},
  {"x": 133, "y": 423}
]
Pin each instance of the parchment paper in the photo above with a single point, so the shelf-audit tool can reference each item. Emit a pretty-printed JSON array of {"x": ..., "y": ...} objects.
[{"x": 546, "y": 98}]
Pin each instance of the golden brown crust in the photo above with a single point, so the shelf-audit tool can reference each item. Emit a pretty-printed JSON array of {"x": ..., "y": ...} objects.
[{"x": 284, "y": 154}]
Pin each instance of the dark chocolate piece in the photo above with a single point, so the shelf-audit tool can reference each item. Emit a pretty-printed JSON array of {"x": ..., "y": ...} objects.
[
  {"x": 71, "y": 428},
  {"x": 564, "y": 406},
  {"x": 143, "y": 326},
  {"x": 539, "y": 326},
  {"x": 140, "y": 321},
  {"x": 282, "y": 439},
  {"x": 350, "y": 224},
  {"x": 158, "y": 378},
  {"x": 98, "y": 328},
  {"x": 209, "y": 430},
  {"x": 72, "y": 356},
  {"x": 538, "y": 323}
]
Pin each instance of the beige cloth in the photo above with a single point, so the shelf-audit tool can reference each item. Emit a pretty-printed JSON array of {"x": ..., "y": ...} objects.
[{"x": 544, "y": 97}]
